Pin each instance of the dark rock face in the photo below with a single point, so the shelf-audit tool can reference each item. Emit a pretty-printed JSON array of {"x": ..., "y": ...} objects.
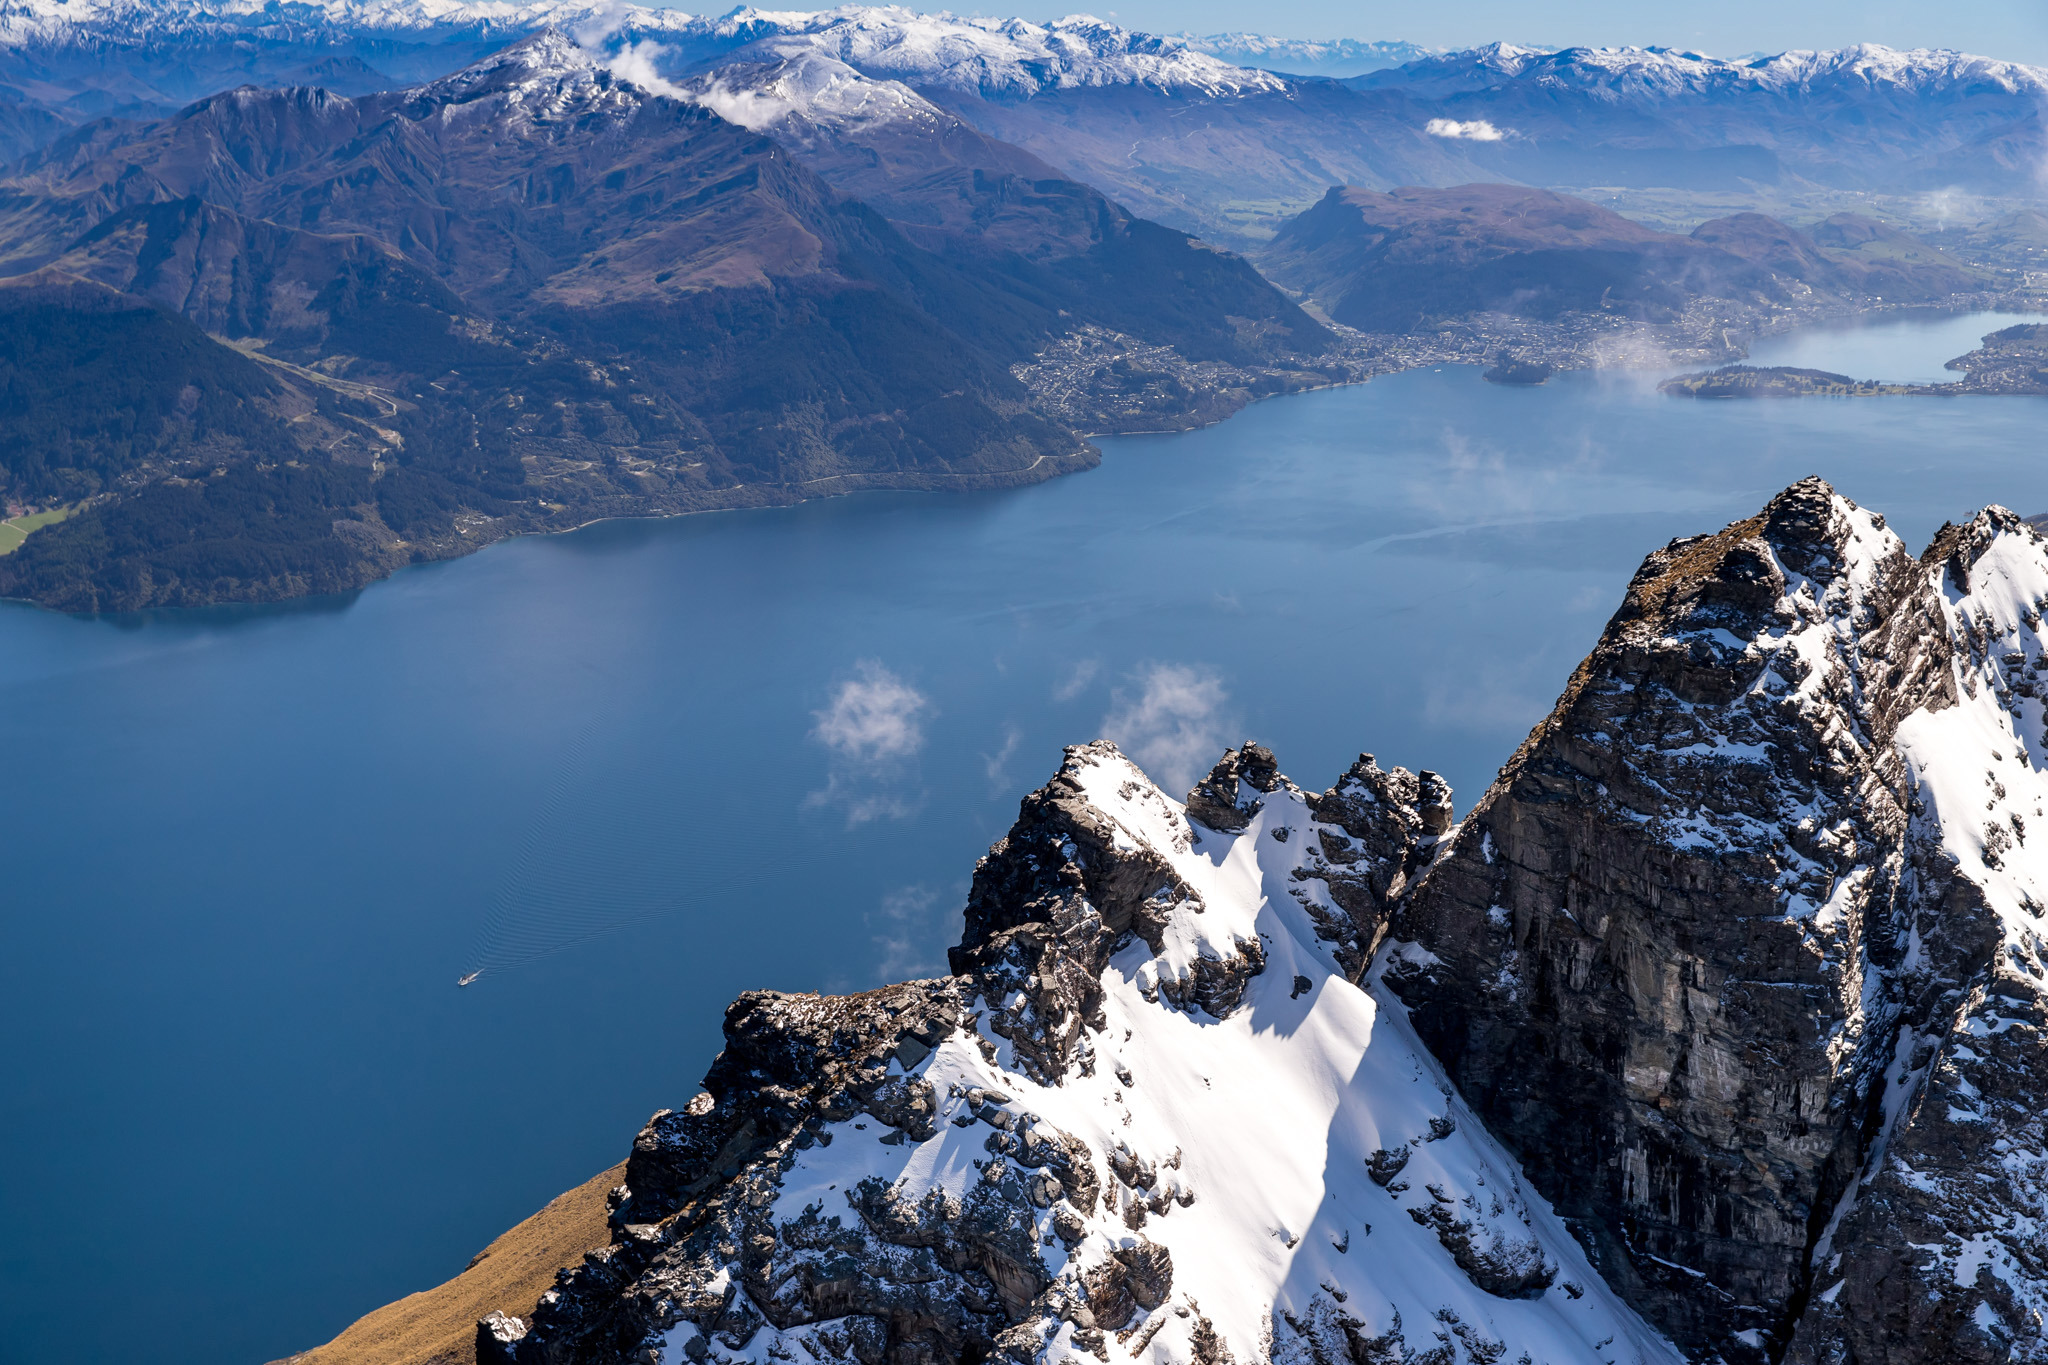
[
  {"x": 993, "y": 1167},
  {"x": 1693, "y": 952},
  {"x": 1228, "y": 797},
  {"x": 1743, "y": 958},
  {"x": 1063, "y": 848},
  {"x": 1386, "y": 827},
  {"x": 935, "y": 1277},
  {"x": 1622, "y": 984}
]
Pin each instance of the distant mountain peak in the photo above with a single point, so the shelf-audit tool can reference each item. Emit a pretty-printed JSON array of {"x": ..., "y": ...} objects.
[
  {"x": 1670, "y": 71},
  {"x": 542, "y": 76},
  {"x": 1002, "y": 58},
  {"x": 1306, "y": 57}
]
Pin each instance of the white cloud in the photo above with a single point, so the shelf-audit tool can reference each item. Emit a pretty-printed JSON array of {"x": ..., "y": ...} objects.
[
  {"x": 636, "y": 64},
  {"x": 755, "y": 110},
  {"x": 1077, "y": 682},
  {"x": 906, "y": 935},
  {"x": 604, "y": 22},
  {"x": 997, "y": 764},
  {"x": 874, "y": 717},
  {"x": 874, "y": 726},
  {"x": 1476, "y": 130},
  {"x": 1174, "y": 727}
]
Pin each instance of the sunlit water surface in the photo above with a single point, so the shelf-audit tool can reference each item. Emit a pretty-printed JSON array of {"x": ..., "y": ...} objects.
[
  {"x": 248, "y": 852},
  {"x": 1903, "y": 348}
]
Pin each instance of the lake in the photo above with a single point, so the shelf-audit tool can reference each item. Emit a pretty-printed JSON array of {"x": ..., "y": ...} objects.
[
  {"x": 1907, "y": 347},
  {"x": 628, "y": 772}
]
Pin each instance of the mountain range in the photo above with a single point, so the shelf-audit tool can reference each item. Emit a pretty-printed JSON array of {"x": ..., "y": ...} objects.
[
  {"x": 421, "y": 276},
  {"x": 534, "y": 292},
  {"x": 1711, "y": 1033},
  {"x": 1195, "y": 132}
]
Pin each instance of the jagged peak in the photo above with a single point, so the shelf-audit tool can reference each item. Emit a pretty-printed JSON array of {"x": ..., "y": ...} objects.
[
  {"x": 548, "y": 51},
  {"x": 1956, "y": 548},
  {"x": 782, "y": 80},
  {"x": 1190, "y": 1144},
  {"x": 544, "y": 76},
  {"x": 1235, "y": 788},
  {"x": 1808, "y": 543}
]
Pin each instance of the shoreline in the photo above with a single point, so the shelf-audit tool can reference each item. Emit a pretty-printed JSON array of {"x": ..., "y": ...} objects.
[{"x": 1365, "y": 356}]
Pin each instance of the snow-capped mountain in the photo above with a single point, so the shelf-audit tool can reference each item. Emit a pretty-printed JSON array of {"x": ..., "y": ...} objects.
[
  {"x": 56, "y": 21},
  {"x": 410, "y": 238},
  {"x": 1711, "y": 1034},
  {"x": 996, "y": 58},
  {"x": 1195, "y": 132},
  {"x": 1741, "y": 952},
  {"x": 1306, "y": 56},
  {"x": 1666, "y": 73},
  {"x": 993, "y": 59}
]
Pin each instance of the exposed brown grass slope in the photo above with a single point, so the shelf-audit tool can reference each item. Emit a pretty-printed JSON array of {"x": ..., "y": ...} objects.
[{"x": 438, "y": 1326}]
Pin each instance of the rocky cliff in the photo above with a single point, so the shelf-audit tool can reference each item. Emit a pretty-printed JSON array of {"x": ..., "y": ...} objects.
[
  {"x": 1157, "y": 1111},
  {"x": 1705, "y": 951},
  {"x": 1712, "y": 1033}
]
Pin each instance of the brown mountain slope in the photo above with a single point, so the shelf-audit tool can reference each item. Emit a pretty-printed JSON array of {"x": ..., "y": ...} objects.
[
  {"x": 530, "y": 174},
  {"x": 1393, "y": 262},
  {"x": 569, "y": 297},
  {"x": 438, "y": 1326},
  {"x": 574, "y": 299}
]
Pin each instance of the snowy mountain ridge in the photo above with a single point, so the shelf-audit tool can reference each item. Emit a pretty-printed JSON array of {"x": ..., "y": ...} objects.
[
  {"x": 1667, "y": 72},
  {"x": 1015, "y": 57},
  {"x": 1307, "y": 56},
  {"x": 1007, "y": 58},
  {"x": 798, "y": 82},
  {"x": 1270, "y": 1076},
  {"x": 1172, "y": 1128}
]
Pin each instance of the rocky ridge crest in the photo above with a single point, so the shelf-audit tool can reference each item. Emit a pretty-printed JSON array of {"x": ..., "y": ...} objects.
[
  {"x": 1722, "y": 1007},
  {"x": 1158, "y": 1111}
]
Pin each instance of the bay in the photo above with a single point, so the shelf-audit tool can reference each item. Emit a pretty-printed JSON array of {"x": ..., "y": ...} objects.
[
  {"x": 1909, "y": 347},
  {"x": 631, "y": 771}
]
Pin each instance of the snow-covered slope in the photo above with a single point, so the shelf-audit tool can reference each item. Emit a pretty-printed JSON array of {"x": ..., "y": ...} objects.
[
  {"x": 1943, "y": 1239},
  {"x": 1725, "y": 1005},
  {"x": 1767, "y": 893},
  {"x": 1306, "y": 57},
  {"x": 49, "y": 21},
  {"x": 1168, "y": 1128},
  {"x": 1255, "y": 1137},
  {"x": 795, "y": 84},
  {"x": 1184, "y": 130},
  {"x": 991, "y": 58},
  {"x": 1665, "y": 73}
]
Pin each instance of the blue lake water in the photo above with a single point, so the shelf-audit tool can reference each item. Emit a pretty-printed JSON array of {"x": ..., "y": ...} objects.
[
  {"x": 1902, "y": 348},
  {"x": 631, "y": 771}
]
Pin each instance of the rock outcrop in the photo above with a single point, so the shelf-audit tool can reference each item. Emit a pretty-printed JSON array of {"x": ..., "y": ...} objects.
[
  {"x": 1940, "y": 1252},
  {"x": 1704, "y": 952},
  {"x": 1714, "y": 1032},
  {"x": 1138, "y": 1121}
]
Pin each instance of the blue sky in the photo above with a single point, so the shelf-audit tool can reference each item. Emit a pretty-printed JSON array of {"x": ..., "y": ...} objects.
[{"x": 2015, "y": 29}]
